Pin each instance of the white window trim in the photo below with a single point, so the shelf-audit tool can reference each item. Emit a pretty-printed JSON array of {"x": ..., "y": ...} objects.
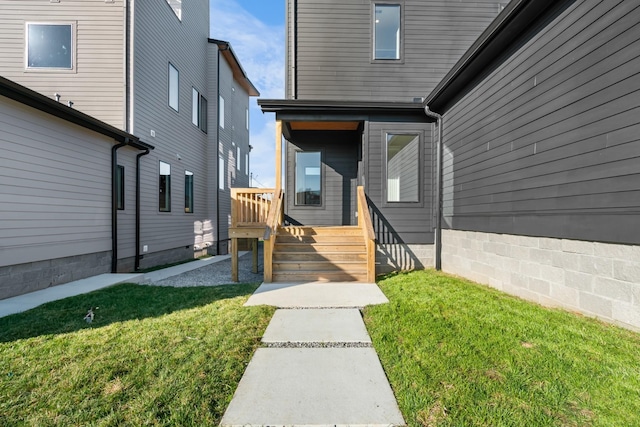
[{"x": 74, "y": 48}]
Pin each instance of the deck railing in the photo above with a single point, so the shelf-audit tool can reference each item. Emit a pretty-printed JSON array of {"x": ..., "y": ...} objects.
[
  {"x": 364, "y": 222},
  {"x": 250, "y": 206}
]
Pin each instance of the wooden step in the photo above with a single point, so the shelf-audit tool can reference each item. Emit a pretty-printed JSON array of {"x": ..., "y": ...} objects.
[
  {"x": 320, "y": 238},
  {"x": 317, "y": 256},
  {"x": 319, "y": 247},
  {"x": 328, "y": 276},
  {"x": 316, "y": 231},
  {"x": 317, "y": 266}
]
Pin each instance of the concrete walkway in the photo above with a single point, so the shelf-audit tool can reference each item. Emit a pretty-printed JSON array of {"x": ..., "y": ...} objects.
[
  {"x": 31, "y": 300},
  {"x": 318, "y": 366}
]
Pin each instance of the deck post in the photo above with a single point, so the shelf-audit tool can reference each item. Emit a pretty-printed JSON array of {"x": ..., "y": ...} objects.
[
  {"x": 254, "y": 249},
  {"x": 234, "y": 259},
  {"x": 278, "y": 154}
]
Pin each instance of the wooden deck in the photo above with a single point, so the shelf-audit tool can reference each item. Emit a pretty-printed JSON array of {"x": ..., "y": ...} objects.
[{"x": 291, "y": 254}]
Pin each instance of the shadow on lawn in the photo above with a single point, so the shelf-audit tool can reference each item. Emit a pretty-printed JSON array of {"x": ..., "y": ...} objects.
[{"x": 114, "y": 304}]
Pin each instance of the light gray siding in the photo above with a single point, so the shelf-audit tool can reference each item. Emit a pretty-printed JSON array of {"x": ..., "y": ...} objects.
[
  {"x": 96, "y": 85},
  {"x": 547, "y": 143},
  {"x": 159, "y": 39},
  {"x": 333, "y": 47},
  {"x": 55, "y": 200}
]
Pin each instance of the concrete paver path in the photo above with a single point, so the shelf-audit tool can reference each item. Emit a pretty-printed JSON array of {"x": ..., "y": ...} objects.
[{"x": 319, "y": 367}]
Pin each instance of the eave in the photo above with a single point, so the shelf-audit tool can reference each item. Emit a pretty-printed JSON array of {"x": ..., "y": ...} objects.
[
  {"x": 40, "y": 102},
  {"x": 514, "y": 20},
  {"x": 239, "y": 74}
]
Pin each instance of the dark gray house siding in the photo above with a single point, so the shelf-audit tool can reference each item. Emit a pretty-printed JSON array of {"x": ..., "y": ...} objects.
[
  {"x": 542, "y": 157},
  {"x": 340, "y": 155},
  {"x": 329, "y": 47},
  {"x": 547, "y": 143}
]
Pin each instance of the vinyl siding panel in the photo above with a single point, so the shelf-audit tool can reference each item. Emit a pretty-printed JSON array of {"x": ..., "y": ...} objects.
[
  {"x": 55, "y": 192},
  {"x": 334, "y": 47},
  {"x": 159, "y": 39},
  {"x": 96, "y": 85},
  {"x": 547, "y": 143}
]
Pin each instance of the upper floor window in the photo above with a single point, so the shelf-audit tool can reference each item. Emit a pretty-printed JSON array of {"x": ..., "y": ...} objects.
[
  {"x": 221, "y": 111},
  {"x": 49, "y": 46},
  {"x": 386, "y": 36},
  {"x": 174, "y": 83},
  {"x": 176, "y": 5}
]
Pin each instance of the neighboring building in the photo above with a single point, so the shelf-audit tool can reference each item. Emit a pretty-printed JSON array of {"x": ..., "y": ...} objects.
[
  {"x": 56, "y": 197},
  {"x": 149, "y": 69},
  {"x": 356, "y": 74}
]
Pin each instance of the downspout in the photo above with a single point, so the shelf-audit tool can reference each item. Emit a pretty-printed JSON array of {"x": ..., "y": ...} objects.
[
  {"x": 217, "y": 158},
  {"x": 438, "y": 228},
  {"x": 114, "y": 205},
  {"x": 137, "y": 260}
]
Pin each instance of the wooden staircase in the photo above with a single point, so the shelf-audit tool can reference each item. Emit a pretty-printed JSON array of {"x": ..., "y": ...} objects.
[{"x": 320, "y": 254}]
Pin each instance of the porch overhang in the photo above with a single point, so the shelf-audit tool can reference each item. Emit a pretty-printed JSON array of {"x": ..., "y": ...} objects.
[{"x": 321, "y": 115}]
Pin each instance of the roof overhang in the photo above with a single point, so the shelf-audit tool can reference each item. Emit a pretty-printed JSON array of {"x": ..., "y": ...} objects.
[
  {"x": 514, "y": 20},
  {"x": 26, "y": 96},
  {"x": 239, "y": 74},
  {"x": 320, "y": 115}
]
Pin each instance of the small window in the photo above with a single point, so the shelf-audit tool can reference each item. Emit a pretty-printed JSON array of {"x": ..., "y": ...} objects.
[
  {"x": 174, "y": 83},
  {"x": 246, "y": 164},
  {"x": 120, "y": 187},
  {"x": 188, "y": 192},
  {"x": 238, "y": 158},
  {"x": 221, "y": 112},
  {"x": 386, "y": 35},
  {"x": 165, "y": 187},
  {"x": 50, "y": 46},
  {"x": 198, "y": 110},
  {"x": 308, "y": 178},
  {"x": 176, "y": 5},
  {"x": 246, "y": 114},
  {"x": 403, "y": 168},
  {"x": 220, "y": 173}
]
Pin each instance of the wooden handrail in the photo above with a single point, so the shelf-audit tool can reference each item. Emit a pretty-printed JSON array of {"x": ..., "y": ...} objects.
[
  {"x": 364, "y": 222},
  {"x": 273, "y": 222}
]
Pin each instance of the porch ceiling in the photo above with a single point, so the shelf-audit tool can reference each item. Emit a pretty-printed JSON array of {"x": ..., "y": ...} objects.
[{"x": 323, "y": 125}]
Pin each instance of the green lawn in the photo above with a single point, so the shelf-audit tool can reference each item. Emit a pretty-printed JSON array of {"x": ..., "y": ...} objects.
[
  {"x": 152, "y": 356},
  {"x": 461, "y": 354}
]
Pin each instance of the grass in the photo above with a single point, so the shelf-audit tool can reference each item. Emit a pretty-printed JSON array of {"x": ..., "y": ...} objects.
[
  {"x": 152, "y": 356},
  {"x": 461, "y": 354}
]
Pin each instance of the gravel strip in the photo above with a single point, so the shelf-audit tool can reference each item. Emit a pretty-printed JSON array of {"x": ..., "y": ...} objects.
[
  {"x": 218, "y": 273},
  {"x": 317, "y": 345}
]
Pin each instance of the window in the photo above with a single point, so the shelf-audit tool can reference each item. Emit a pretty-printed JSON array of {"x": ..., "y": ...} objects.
[
  {"x": 238, "y": 158},
  {"x": 246, "y": 164},
  {"x": 221, "y": 112},
  {"x": 246, "y": 115},
  {"x": 198, "y": 110},
  {"x": 176, "y": 5},
  {"x": 221, "y": 173},
  {"x": 120, "y": 187},
  {"x": 386, "y": 35},
  {"x": 174, "y": 83},
  {"x": 403, "y": 168},
  {"x": 165, "y": 187},
  {"x": 188, "y": 192},
  {"x": 50, "y": 46},
  {"x": 308, "y": 178}
]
